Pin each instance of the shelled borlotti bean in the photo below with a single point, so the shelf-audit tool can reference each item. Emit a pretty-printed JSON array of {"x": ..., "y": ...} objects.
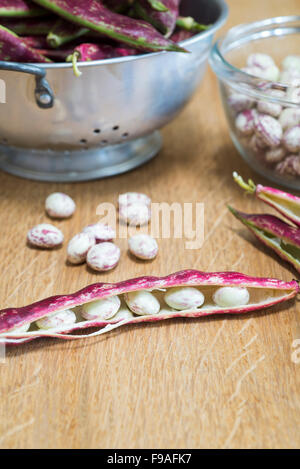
[
  {"x": 94, "y": 244},
  {"x": 57, "y": 205},
  {"x": 134, "y": 208},
  {"x": 143, "y": 246},
  {"x": 60, "y": 205},
  {"x": 45, "y": 236},
  {"x": 269, "y": 129}
]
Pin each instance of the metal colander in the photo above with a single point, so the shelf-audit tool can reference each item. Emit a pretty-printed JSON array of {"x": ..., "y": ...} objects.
[{"x": 56, "y": 127}]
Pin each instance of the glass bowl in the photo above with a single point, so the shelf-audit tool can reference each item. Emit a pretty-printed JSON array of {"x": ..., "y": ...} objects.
[{"x": 258, "y": 68}]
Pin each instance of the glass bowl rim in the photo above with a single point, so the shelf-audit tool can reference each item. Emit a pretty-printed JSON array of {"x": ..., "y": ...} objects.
[{"x": 244, "y": 82}]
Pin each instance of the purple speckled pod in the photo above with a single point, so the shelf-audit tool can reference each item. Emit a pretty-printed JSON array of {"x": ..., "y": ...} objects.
[
  {"x": 58, "y": 55},
  {"x": 266, "y": 292},
  {"x": 14, "y": 49},
  {"x": 94, "y": 15},
  {"x": 29, "y": 26},
  {"x": 19, "y": 8},
  {"x": 64, "y": 32},
  {"x": 164, "y": 21},
  {"x": 87, "y": 52},
  {"x": 40, "y": 44},
  {"x": 119, "y": 6},
  {"x": 281, "y": 237},
  {"x": 286, "y": 204},
  {"x": 35, "y": 42},
  {"x": 181, "y": 35}
]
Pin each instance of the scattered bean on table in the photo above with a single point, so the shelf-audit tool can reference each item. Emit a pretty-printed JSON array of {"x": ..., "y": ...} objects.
[
  {"x": 45, "y": 235},
  {"x": 59, "y": 205}
]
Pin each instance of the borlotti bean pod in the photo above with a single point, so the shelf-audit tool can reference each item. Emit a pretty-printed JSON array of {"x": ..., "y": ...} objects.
[
  {"x": 107, "y": 306},
  {"x": 58, "y": 127}
]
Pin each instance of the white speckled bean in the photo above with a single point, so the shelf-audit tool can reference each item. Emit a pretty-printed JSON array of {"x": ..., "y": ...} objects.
[
  {"x": 132, "y": 198},
  {"x": 122, "y": 314},
  {"x": 290, "y": 77},
  {"x": 291, "y": 139},
  {"x": 20, "y": 329},
  {"x": 271, "y": 73},
  {"x": 61, "y": 319},
  {"x": 226, "y": 297},
  {"x": 245, "y": 122},
  {"x": 257, "y": 144},
  {"x": 101, "y": 232},
  {"x": 259, "y": 60},
  {"x": 143, "y": 246},
  {"x": 275, "y": 155},
  {"x": 101, "y": 309},
  {"x": 291, "y": 62},
  {"x": 182, "y": 298},
  {"x": 268, "y": 129},
  {"x": 142, "y": 303},
  {"x": 290, "y": 166},
  {"x": 293, "y": 95},
  {"x": 267, "y": 107},
  {"x": 103, "y": 256},
  {"x": 45, "y": 236},
  {"x": 239, "y": 102},
  {"x": 59, "y": 205},
  {"x": 289, "y": 118},
  {"x": 136, "y": 214},
  {"x": 79, "y": 246}
]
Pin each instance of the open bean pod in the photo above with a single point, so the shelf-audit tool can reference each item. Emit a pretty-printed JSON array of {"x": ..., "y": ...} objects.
[
  {"x": 186, "y": 294},
  {"x": 274, "y": 233},
  {"x": 286, "y": 204}
]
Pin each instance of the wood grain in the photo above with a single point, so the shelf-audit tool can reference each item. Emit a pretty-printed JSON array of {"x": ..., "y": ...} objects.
[{"x": 214, "y": 383}]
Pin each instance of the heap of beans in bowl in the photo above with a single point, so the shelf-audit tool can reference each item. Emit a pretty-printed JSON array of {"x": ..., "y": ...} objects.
[
  {"x": 45, "y": 31},
  {"x": 269, "y": 129}
]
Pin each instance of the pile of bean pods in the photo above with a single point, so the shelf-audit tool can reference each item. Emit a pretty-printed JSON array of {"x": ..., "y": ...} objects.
[
  {"x": 106, "y": 306},
  {"x": 75, "y": 30},
  {"x": 280, "y": 235}
]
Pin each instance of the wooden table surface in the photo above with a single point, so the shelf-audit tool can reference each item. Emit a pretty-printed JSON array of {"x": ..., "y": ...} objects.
[{"x": 226, "y": 382}]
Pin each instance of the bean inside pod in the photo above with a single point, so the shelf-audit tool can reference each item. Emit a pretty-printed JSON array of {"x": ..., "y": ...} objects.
[{"x": 188, "y": 294}]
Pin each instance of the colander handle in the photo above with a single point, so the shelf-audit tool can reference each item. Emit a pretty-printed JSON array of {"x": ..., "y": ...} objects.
[{"x": 43, "y": 93}]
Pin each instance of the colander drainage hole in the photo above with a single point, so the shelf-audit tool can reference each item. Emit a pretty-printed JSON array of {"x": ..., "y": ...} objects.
[
  {"x": 116, "y": 127},
  {"x": 125, "y": 135},
  {"x": 83, "y": 141},
  {"x": 97, "y": 131}
]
